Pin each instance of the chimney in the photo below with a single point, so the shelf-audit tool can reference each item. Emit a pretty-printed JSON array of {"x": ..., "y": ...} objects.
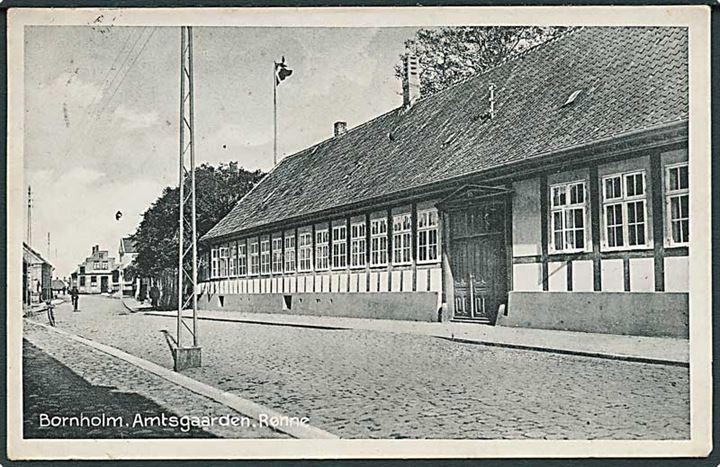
[
  {"x": 340, "y": 128},
  {"x": 410, "y": 80},
  {"x": 95, "y": 249}
]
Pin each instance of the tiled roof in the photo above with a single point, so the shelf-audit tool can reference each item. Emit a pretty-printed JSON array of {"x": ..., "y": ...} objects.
[{"x": 631, "y": 78}]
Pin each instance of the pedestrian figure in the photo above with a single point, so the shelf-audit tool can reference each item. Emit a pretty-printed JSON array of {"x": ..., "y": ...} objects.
[
  {"x": 50, "y": 312},
  {"x": 154, "y": 296},
  {"x": 74, "y": 297}
]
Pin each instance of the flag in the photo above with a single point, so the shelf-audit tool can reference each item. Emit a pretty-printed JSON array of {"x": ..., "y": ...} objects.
[{"x": 281, "y": 71}]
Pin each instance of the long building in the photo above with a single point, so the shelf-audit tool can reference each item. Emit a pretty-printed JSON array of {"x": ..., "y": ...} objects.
[{"x": 550, "y": 191}]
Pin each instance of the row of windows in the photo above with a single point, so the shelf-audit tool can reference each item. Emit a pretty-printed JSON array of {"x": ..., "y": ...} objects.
[
  {"x": 100, "y": 265},
  {"x": 277, "y": 254},
  {"x": 624, "y": 209}
]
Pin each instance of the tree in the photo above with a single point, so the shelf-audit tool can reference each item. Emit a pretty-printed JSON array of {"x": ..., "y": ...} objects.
[
  {"x": 217, "y": 190},
  {"x": 448, "y": 55}
]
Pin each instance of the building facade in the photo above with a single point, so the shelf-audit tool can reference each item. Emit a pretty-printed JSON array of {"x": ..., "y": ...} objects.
[
  {"x": 551, "y": 191},
  {"x": 127, "y": 252},
  {"x": 37, "y": 276},
  {"x": 98, "y": 273}
]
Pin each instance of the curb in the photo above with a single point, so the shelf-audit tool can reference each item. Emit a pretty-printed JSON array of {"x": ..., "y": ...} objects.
[
  {"x": 580, "y": 353},
  {"x": 243, "y": 406},
  {"x": 250, "y": 321}
]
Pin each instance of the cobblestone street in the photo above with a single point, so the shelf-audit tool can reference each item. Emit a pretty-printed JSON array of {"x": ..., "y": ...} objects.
[{"x": 367, "y": 384}]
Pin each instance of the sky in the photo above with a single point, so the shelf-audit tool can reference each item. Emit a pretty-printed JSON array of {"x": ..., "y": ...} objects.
[{"x": 102, "y": 109}]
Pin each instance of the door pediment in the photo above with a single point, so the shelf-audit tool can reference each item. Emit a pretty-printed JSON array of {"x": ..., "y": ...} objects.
[{"x": 468, "y": 195}]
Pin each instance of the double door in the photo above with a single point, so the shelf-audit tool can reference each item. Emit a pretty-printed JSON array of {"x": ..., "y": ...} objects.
[{"x": 478, "y": 261}]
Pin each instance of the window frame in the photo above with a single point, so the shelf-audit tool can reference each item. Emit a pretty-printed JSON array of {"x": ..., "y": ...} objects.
[
  {"x": 276, "y": 256},
  {"x": 339, "y": 247},
  {"x": 223, "y": 272},
  {"x": 324, "y": 247},
  {"x": 357, "y": 240},
  {"x": 242, "y": 266},
  {"x": 254, "y": 268},
  {"x": 669, "y": 195},
  {"x": 289, "y": 243},
  {"x": 402, "y": 239},
  {"x": 563, "y": 210},
  {"x": 428, "y": 229},
  {"x": 625, "y": 201},
  {"x": 304, "y": 248},
  {"x": 379, "y": 236},
  {"x": 265, "y": 260}
]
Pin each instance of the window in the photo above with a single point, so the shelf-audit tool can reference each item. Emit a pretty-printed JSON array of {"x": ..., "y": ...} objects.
[
  {"x": 290, "y": 253},
  {"x": 214, "y": 270},
  {"x": 96, "y": 264},
  {"x": 93, "y": 280},
  {"x": 265, "y": 256},
  {"x": 277, "y": 254},
  {"x": 624, "y": 210},
  {"x": 82, "y": 281},
  {"x": 427, "y": 236},
  {"x": 357, "y": 245},
  {"x": 242, "y": 258},
  {"x": 378, "y": 242},
  {"x": 339, "y": 246},
  {"x": 567, "y": 216},
  {"x": 321, "y": 249},
  {"x": 232, "y": 271},
  {"x": 105, "y": 265},
  {"x": 305, "y": 251},
  {"x": 677, "y": 191},
  {"x": 223, "y": 260},
  {"x": 402, "y": 234},
  {"x": 254, "y": 258}
]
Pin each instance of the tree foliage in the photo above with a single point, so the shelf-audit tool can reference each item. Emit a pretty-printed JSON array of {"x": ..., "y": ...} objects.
[
  {"x": 448, "y": 55},
  {"x": 218, "y": 189}
]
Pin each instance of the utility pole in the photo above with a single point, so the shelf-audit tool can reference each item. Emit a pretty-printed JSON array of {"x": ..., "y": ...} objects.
[
  {"x": 187, "y": 356},
  {"x": 28, "y": 240}
]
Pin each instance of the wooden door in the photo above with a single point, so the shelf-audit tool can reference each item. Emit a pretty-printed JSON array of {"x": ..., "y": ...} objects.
[{"x": 478, "y": 261}]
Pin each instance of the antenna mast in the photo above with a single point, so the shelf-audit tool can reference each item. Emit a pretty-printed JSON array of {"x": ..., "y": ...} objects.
[
  {"x": 28, "y": 240},
  {"x": 187, "y": 356}
]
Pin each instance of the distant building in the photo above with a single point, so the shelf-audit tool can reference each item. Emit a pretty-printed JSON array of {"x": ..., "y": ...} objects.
[
  {"x": 58, "y": 286},
  {"x": 99, "y": 273},
  {"x": 127, "y": 252},
  {"x": 37, "y": 276}
]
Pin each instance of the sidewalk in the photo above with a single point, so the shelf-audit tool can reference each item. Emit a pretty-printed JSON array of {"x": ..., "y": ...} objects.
[
  {"x": 658, "y": 350},
  {"x": 150, "y": 389},
  {"x": 134, "y": 306},
  {"x": 40, "y": 307}
]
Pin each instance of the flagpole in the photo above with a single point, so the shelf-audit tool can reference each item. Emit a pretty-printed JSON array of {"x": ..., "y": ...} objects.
[{"x": 274, "y": 114}]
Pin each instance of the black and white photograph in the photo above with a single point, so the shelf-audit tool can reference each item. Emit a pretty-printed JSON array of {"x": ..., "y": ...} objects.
[{"x": 447, "y": 232}]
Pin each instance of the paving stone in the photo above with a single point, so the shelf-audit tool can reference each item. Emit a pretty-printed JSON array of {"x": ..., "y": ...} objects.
[{"x": 360, "y": 383}]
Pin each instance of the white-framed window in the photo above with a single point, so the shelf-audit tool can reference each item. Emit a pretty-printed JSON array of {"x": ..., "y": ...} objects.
[
  {"x": 96, "y": 264},
  {"x": 105, "y": 265},
  {"x": 290, "y": 253},
  {"x": 277, "y": 255},
  {"x": 339, "y": 247},
  {"x": 322, "y": 249},
  {"x": 358, "y": 244},
  {"x": 265, "y": 255},
  {"x": 625, "y": 210},
  {"x": 214, "y": 264},
  {"x": 305, "y": 251},
  {"x": 378, "y": 242},
  {"x": 567, "y": 216},
  {"x": 254, "y": 257},
  {"x": 427, "y": 228},
  {"x": 223, "y": 260},
  {"x": 402, "y": 236},
  {"x": 233, "y": 260},
  {"x": 677, "y": 193},
  {"x": 242, "y": 258}
]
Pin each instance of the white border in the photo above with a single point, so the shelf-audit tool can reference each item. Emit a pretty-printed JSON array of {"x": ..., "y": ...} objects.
[{"x": 696, "y": 18}]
